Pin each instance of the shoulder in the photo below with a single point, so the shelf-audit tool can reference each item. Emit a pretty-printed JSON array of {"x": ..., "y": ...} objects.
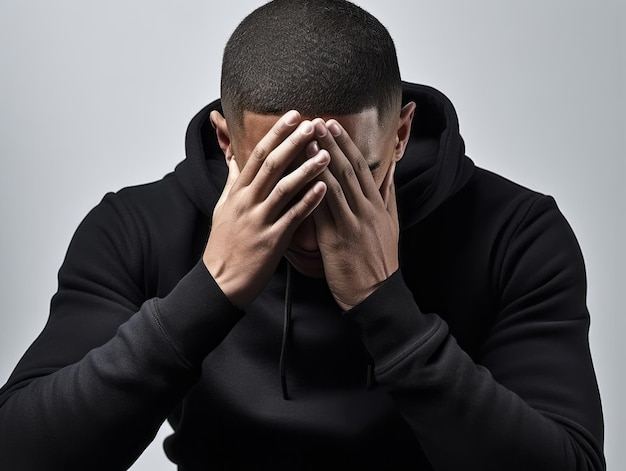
[
  {"x": 152, "y": 230},
  {"x": 498, "y": 192},
  {"x": 528, "y": 240},
  {"x": 497, "y": 209}
]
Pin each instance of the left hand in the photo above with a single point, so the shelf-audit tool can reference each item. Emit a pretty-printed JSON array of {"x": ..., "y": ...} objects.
[{"x": 356, "y": 223}]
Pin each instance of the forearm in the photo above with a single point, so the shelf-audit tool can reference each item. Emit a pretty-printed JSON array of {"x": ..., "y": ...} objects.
[
  {"x": 102, "y": 411},
  {"x": 99, "y": 413},
  {"x": 463, "y": 417}
]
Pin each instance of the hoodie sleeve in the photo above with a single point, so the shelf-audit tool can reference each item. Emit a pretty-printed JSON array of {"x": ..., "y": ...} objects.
[
  {"x": 110, "y": 365},
  {"x": 530, "y": 401}
]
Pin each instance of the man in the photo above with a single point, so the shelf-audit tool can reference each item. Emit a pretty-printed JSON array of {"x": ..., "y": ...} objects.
[{"x": 325, "y": 280}]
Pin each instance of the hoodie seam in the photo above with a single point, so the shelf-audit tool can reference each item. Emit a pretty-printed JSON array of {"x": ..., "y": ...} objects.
[
  {"x": 538, "y": 198},
  {"x": 411, "y": 350},
  {"x": 126, "y": 207},
  {"x": 155, "y": 313}
]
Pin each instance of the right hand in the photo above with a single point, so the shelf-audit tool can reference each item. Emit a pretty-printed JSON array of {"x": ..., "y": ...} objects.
[{"x": 260, "y": 208}]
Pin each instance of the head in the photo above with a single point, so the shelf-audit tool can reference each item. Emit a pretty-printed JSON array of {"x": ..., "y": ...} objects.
[
  {"x": 324, "y": 58},
  {"x": 321, "y": 57}
]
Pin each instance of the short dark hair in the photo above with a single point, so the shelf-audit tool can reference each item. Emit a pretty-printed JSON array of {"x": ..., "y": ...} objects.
[{"x": 321, "y": 57}]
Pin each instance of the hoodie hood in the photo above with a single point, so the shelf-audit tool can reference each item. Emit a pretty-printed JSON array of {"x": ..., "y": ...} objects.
[{"x": 434, "y": 166}]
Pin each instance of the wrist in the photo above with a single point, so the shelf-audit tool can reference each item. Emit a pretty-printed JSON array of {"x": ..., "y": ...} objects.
[
  {"x": 196, "y": 314},
  {"x": 227, "y": 283},
  {"x": 348, "y": 296}
]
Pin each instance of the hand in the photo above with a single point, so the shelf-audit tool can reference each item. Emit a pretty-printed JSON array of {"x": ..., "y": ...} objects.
[
  {"x": 260, "y": 208},
  {"x": 356, "y": 224}
]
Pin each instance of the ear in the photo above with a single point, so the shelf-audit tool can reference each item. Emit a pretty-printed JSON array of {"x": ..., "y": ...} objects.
[
  {"x": 404, "y": 129},
  {"x": 223, "y": 134}
]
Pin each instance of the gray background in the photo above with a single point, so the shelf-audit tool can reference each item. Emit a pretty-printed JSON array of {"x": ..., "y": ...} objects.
[{"x": 95, "y": 96}]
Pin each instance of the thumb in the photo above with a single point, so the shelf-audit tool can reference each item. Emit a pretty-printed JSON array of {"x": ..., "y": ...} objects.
[
  {"x": 388, "y": 191},
  {"x": 233, "y": 174},
  {"x": 233, "y": 171}
]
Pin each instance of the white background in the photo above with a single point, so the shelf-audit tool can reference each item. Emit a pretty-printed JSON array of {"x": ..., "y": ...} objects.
[{"x": 95, "y": 96}]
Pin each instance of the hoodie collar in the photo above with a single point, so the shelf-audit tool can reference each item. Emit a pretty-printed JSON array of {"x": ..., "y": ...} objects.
[{"x": 434, "y": 166}]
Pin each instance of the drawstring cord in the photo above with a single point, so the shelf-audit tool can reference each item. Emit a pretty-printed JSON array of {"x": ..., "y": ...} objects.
[
  {"x": 286, "y": 333},
  {"x": 370, "y": 380}
]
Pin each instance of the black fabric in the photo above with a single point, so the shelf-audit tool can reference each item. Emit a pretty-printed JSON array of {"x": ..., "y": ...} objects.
[{"x": 479, "y": 341}]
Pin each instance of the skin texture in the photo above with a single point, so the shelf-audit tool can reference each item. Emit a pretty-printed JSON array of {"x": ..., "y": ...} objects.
[{"x": 318, "y": 191}]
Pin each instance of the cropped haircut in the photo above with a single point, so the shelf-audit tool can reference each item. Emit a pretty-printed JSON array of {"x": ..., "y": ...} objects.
[{"x": 320, "y": 57}]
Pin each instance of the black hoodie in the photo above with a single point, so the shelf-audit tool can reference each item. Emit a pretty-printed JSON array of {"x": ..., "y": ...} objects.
[{"x": 479, "y": 342}]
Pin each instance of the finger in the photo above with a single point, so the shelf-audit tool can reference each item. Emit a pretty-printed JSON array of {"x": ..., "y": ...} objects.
[
  {"x": 233, "y": 172},
  {"x": 293, "y": 217},
  {"x": 355, "y": 157},
  {"x": 293, "y": 183},
  {"x": 323, "y": 217},
  {"x": 348, "y": 189},
  {"x": 335, "y": 200},
  {"x": 388, "y": 192},
  {"x": 387, "y": 185},
  {"x": 233, "y": 175},
  {"x": 279, "y": 159},
  {"x": 277, "y": 134}
]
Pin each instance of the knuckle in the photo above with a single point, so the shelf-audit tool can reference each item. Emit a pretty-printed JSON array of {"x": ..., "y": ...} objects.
[
  {"x": 269, "y": 165},
  {"x": 335, "y": 189},
  {"x": 360, "y": 163},
  {"x": 239, "y": 209},
  {"x": 347, "y": 171},
  {"x": 294, "y": 139},
  {"x": 339, "y": 244},
  {"x": 277, "y": 131},
  {"x": 294, "y": 213},
  {"x": 331, "y": 145},
  {"x": 280, "y": 190},
  {"x": 259, "y": 152},
  {"x": 266, "y": 241}
]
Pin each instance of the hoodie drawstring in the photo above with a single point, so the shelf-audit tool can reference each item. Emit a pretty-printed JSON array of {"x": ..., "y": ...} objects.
[
  {"x": 282, "y": 365},
  {"x": 370, "y": 380},
  {"x": 286, "y": 333}
]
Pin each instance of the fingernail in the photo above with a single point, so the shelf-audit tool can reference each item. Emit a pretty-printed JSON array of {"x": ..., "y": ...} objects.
[
  {"x": 307, "y": 127},
  {"x": 334, "y": 128},
  {"x": 312, "y": 148},
  {"x": 321, "y": 129},
  {"x": 291, "y": 117},
  {"x": 320, "y": 160}
]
